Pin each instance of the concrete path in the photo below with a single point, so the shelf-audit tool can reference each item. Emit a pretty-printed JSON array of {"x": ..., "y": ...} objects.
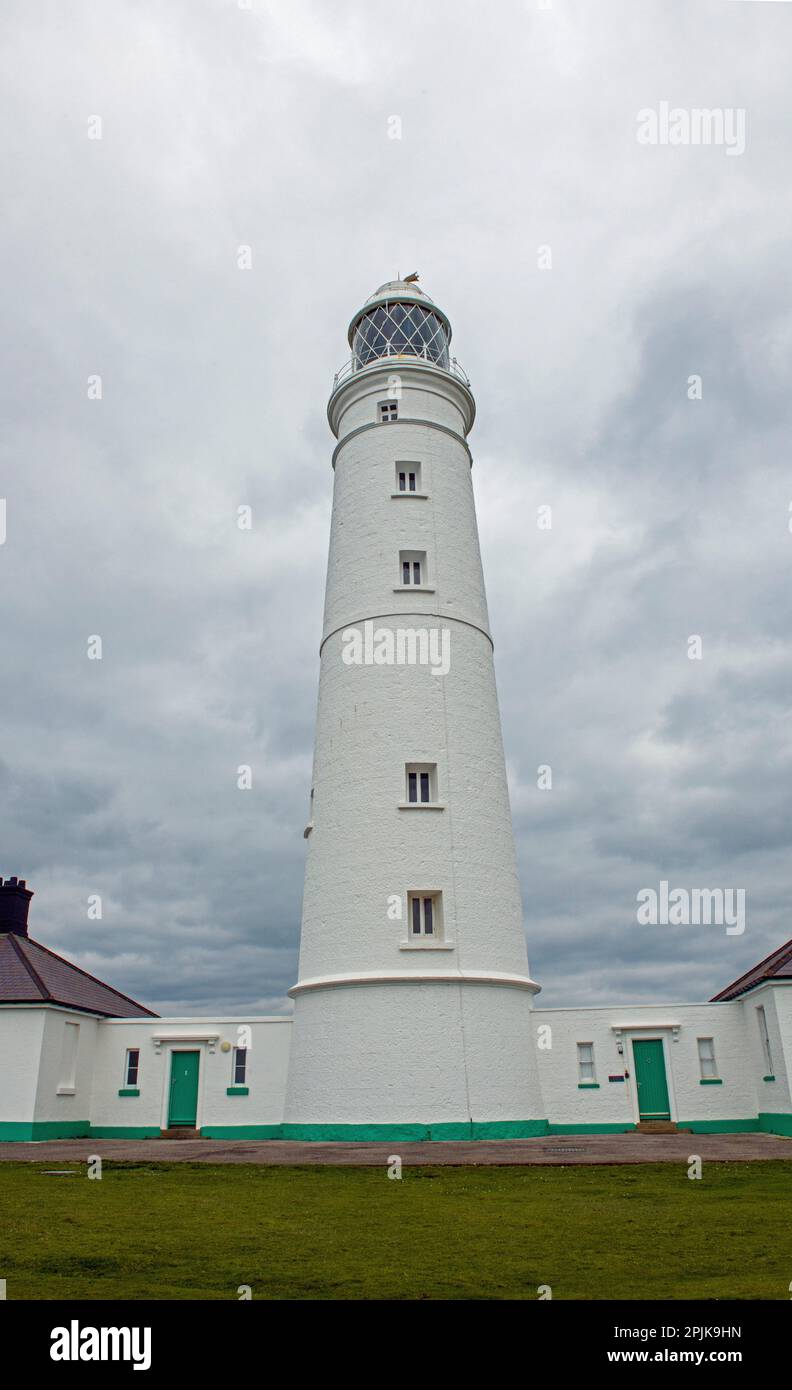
[{"x": 568, "y": 1149}]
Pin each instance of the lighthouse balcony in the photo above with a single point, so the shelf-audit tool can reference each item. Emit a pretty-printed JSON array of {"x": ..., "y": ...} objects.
[{"x": 392, "y": 357}]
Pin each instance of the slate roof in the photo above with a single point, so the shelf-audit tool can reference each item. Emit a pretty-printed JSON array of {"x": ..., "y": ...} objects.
[
  {"x": 776, "y": 966},
  {"x": 32, "y": 974}
]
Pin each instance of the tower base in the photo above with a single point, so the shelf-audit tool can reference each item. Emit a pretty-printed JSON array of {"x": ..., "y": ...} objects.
[{"x": 413, "y": 1060}]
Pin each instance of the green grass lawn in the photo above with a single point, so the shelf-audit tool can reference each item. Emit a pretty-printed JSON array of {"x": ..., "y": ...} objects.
[{"x": 190, "y": 1231}]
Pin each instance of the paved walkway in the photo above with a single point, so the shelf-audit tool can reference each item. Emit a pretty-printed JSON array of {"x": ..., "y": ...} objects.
[{"x": 551, "y": 1149}]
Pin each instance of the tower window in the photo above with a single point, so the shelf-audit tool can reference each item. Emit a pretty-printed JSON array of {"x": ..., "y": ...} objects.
[
  {"x": 425, "y": 915},
  {"x": 388, "y": 410},
  {"x": 412, "y": 566},
  {"x": 706, "y": 1052},
  {"x": 132, "y": 1066},
  {"x": 585, "y": 1053},
  {"x": 421, "y": 783},
  {"x": 408, "y": 477}
]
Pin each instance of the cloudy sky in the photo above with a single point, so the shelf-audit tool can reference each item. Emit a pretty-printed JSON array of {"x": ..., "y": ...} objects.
[{"x": 267, "y": 125}]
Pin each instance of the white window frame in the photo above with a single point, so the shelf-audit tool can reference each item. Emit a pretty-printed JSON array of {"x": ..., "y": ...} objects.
[
  {"x": 708, "y": 1064},
  {"x": 239, "y": 1055},
  {"x": 129, "y": 1081},
  {"x": 408, "y": 468},
  {"x": 425, "y": 775},
  {"x": 388, "y": 411},
  {"x": 422, "y": 896},
  {"x": 586, "y": 1077},
  {"x": 411, "y": 558}
]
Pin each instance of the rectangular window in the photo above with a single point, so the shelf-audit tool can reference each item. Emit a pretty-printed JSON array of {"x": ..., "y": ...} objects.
[
  {"x": 240, "y": 1065},
  {"x": 425, "y": 915},
  {"x": 761, "y": 1018},
  {"x": 132, "y": 1068},
  {"x": 388, "y": 410},
  {"x": 421, "y": 783},
  {"x": 706, "y": 1052},
  {"x": 68, "y": 1071},
  {"x": 585, "y": 1061},
  {"x": 408, "y": 477},
  {"x": 412, "y": 567}
]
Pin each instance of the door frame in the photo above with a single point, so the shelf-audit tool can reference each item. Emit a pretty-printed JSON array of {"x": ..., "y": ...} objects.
[
  {"x": 166, "y": 1088},
  {"x": 649, "y": 1034}
]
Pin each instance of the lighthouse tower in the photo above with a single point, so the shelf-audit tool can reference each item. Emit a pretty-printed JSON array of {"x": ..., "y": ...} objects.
[{"x": 413, "y": 1004}]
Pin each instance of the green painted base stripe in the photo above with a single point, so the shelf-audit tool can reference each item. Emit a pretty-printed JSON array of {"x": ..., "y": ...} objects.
[
  {"x": 355, "y": 1134},
  {"x": 415, "y": 1133},
  {"x": 41, "y": 1130},
  {"x": 507, "y": 1129},
  {"x": 12, "y": 1131},
  {"x": 776, "y": 1123},
  {"x": 372, "y": 1133},
  {"x": 37, "y": 1130}
]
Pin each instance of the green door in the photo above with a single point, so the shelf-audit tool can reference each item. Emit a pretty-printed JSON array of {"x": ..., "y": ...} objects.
[
  {"x": 183, "y": 1105},
  {"x": 650, "y": 1078}
]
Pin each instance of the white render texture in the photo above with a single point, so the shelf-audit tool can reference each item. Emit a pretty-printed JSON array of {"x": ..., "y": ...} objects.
[{"x": 387, "y": 1030}]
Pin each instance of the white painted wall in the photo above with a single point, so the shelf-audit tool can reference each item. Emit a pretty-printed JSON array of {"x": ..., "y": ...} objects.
[
  {"x": 418, "y": 1053},
  {"x": 21, "y": 1032},
  {"x": 615, "y": 1102},
  {"x": 266, "y": 1069},
  {"x": 378, "y": 1023}
]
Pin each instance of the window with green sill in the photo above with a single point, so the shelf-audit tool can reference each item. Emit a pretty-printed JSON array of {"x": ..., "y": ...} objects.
[
  {"x": 239, "y": 1085},
  {"x": 587, "y": 1080},
  {"x": 708, "y": 1066},
  {"x": 131, "y": 1072}
]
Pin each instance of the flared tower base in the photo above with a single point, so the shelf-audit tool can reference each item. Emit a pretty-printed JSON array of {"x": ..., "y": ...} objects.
[{"x": 414, "y": 1059}]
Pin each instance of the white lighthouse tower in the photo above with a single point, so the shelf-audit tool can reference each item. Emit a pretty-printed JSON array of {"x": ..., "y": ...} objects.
[{"x": 413, "y": 1003}]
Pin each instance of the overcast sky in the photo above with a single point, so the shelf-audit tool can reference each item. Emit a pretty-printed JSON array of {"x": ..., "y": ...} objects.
[{"x": 267, "y": 125}]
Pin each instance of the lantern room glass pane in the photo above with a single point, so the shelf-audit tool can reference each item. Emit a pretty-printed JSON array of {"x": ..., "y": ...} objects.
[{"x": 404, "y": 329}]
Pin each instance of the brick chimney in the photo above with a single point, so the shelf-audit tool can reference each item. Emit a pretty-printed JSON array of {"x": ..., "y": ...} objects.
[{"x": 14, "y": 903}]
